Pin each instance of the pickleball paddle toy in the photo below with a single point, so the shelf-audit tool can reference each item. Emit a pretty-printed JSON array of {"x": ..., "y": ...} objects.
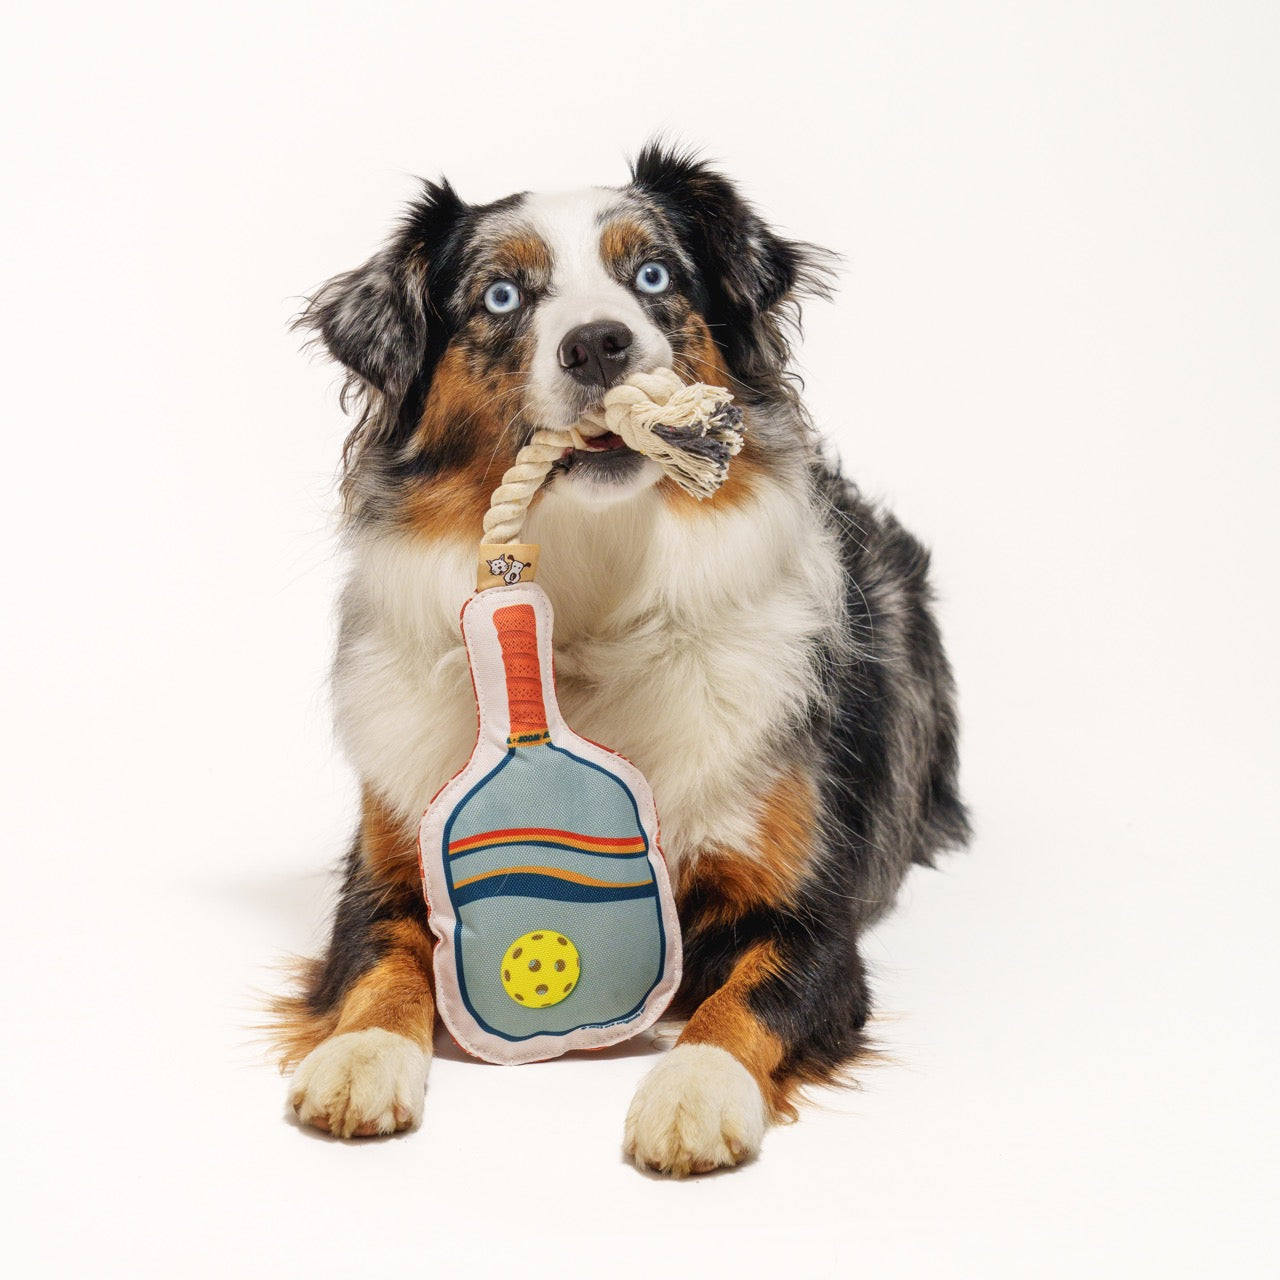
[{"x": 548, "y": 894}]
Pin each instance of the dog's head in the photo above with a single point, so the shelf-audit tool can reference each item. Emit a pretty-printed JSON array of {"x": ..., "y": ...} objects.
[{"x": 478, "y": 324}]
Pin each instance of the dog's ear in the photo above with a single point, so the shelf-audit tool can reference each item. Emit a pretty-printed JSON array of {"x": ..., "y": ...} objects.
[
  {"x": 748, "y": 270},
  {"x": 375, "y": 320}
]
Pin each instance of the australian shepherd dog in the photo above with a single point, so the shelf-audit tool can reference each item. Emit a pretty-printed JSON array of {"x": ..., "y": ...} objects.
[{"x": 767, "y": 657}]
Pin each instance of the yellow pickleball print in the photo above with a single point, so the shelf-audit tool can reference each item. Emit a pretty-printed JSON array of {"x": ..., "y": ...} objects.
[{"x": 540, "y": 969}]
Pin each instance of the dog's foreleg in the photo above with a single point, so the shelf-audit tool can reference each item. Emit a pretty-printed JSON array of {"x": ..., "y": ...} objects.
[
  {"x": 776, "y": 988},
  {"x": 365, "y": 1022}
]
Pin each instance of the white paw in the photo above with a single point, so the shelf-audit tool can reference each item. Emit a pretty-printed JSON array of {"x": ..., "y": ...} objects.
[
  {"x": 697, "y": 1110},
  {"x": 360, "y": 1084}
]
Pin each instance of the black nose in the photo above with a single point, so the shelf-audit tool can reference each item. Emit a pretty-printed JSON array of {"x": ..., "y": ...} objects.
[{"x": 596, "y": 354}]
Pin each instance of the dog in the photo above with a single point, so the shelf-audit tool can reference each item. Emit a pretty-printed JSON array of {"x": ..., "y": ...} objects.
[{"x": 767, "y": 657}]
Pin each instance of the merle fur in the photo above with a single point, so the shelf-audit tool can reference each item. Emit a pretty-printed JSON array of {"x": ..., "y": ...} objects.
[
  {"x": 387, "y": 324},
  {"x": 888, "y": 743}
]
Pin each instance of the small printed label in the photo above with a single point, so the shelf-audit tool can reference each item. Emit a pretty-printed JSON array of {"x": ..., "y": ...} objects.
[{"x": 507, "y": 565}]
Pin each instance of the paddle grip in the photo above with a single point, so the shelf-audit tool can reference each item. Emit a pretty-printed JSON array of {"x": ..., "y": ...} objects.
[{"x": 517, "y": 628}]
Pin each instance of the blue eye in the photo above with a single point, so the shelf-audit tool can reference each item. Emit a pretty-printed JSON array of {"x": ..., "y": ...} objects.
[
  {"x": 653, "y": 277},
  {"x": 501, "y": 297}
]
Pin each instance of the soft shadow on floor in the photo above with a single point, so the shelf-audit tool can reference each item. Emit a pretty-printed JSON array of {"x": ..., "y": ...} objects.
[{"x": 647, "y": 1044}]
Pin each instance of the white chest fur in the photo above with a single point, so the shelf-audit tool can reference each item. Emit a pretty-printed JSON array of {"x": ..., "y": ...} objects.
[{"x": 684, "y": 643}]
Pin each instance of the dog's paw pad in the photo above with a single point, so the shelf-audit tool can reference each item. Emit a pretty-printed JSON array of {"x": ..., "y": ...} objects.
[
  {"x": 360, "y": 1084},
  {"x": 697, "y": 1110}
]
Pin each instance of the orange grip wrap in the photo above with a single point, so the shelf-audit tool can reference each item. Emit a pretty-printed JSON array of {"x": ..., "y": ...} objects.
[{"x": 517, "y": 629}]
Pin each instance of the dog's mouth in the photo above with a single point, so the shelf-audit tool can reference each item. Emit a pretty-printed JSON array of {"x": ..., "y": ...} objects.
[
  {"x": 606, "y": 443},
  {"x": 603, "y": 457},
  {"x": 606, "y": 462}
]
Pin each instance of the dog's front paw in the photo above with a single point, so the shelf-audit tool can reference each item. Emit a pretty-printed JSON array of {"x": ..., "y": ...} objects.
[
  {"x": 697, "y": 1110},
  {"x": 360, "y": 1084}
]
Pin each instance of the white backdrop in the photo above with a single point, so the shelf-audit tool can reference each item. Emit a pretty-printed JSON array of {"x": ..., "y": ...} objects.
[{"x": 1054, "y": 352}]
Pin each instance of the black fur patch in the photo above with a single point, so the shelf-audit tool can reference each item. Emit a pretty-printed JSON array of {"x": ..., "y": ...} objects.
[
  {"x": 818, "y": 1003},
  {"x": 890, "y": 737},
  {"x": 357, "y": 942}
]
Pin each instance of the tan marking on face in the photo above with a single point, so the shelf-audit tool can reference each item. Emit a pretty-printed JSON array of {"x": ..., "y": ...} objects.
[
  {"x": 698, "y": 359},
  {"x": 522, "y": 256},
  {"x": 453, "y": 506},
  {"x": 726, "y": 1021},
  {"x": 731, "y": 885},
  {"x": 466, "y": 414},
  {"x": 623, "y": 240}
]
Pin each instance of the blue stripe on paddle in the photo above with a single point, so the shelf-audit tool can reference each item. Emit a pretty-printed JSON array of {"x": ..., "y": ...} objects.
[{"x": 524, "y": 885}]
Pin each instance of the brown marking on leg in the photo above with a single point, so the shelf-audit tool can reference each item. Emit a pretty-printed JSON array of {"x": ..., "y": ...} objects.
[
  {"x": 294, "y": 1026},
  {"x": 396, "y": 994},
  {"x": 725, "y": 1021},
  {"x": 727, "y": 884},
  {"x": 389, "y": 845},
  {"x": 721, "y": 887}
]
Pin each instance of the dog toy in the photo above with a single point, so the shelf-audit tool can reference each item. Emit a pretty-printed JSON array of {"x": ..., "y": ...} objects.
[{"x": 548, "y": 894}]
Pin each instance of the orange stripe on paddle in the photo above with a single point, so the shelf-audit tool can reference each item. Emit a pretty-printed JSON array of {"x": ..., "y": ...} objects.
[{"x": 522, "y": 835}]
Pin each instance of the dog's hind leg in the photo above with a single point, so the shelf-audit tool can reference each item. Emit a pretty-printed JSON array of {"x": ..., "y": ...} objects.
[{"x": 361, "y": 1028}]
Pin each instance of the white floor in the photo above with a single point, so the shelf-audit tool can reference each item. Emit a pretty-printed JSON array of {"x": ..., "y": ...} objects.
[
  {"x": 1055, "y": 353},
  {"x": 1078, "y": 1088}
]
